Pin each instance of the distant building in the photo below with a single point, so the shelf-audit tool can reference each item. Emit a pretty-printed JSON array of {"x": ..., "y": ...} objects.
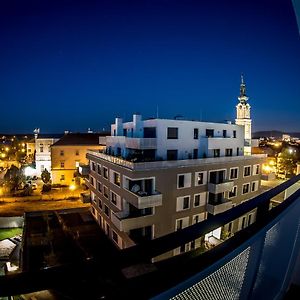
[
  {"x": 30, "y": 150},
  {"x": 243, "y": 116},
  {"x": 158, "y": 176},
  {"x": 43, "y": 151},
  {"x": 68, "y": 153}
]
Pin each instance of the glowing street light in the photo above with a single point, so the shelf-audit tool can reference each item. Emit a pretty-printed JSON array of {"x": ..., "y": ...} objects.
[{"x": 72, "y": 187}]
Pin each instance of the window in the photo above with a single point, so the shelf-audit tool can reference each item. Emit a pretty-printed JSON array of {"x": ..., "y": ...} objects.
[
  {"x": 117, "y": 179},
  {"x": 195, "y": 153},
  {"x": 62, "y": 177},
  {"x": 246, "y": 188},
  {"x": 92, "y": 181},
  {"x": 62, "y": 152},
  {"x": 198, "y": 218},
  {"x": 105, "y": 172},
  {"x": 228, "y": 152},
  {"x": 199, "y": 199},
  {"x": 182, "y": 203},
  {"x": 243, "y": 222},
  {"x": 200, "y": 178},
  {"x": 99, "y": 169},
  {"x": 196, "y": 133},
  {"x": 233, "y": 192},
  {"x": 234, "y": 173},
  {"x": 171, "y": 154},
  {"x": 113, "y": 198},
  {"x": 62, "y": 164},
  {"x": 99, "y": 186},
  {"x": 237, "y": 151},
  {"x": 209, "y": 133},
  {"x": 247, "y": 171},
  {"x": 172, "y": 133},
  {"x": 224, "y": 133},
  {"x": 184, "y": 180},
  {"x": 106, "y": 210},
  {"x": 41, "y": 149},
  {"x": 105, "y": 191},
  {"x": 93, "y": 166},
  {"x": 149, "y": 132},
  {"x": 234, "y": 134},
  {"x": 100, "y": 203},
  {"x": 216, "y": 152},
  {"x": 125, "y": 131},
  {"x": 115, "y": 237},
  {"x": 256, "y": 169},
  {"x": 181, "y": 223},
  {"x": 254, "y": 186},
  {"x": 42, "y": 168}
]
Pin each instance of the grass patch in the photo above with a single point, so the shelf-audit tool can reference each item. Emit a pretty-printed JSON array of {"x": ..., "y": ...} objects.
[{"x": 6, "y": 233}]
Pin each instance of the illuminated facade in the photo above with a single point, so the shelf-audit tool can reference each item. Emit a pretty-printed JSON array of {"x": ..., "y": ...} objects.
[{"x": 243, "y": 116}]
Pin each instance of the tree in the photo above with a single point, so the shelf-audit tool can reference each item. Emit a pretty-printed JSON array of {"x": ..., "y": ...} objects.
[
  {"x": 14, "y": 178},
  {"x": 286, "y": 162},
  {"x": 46, "y": 176}
]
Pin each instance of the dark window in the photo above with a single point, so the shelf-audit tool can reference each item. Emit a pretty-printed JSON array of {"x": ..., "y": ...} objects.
[
  {"x": 114, "y": 236},
  {"x": 195, "y": 153},
  {"x": 216, "y": 152},
  {"x": 149, "y": 132},
  {"x": 234, "y": 133},
  {"x": 179, "y": 224},
  {"x": 172, "y": 154},
  {"x": 181, "y": 181},
  {"x": 247, "y": 171},
  {"x": 62, "y": 164},
  {"x": 228, "y": 152},
  {"x": 62, "y": 152},
  {"x": 100, "y": 203},
  {"x": 105, "y": 192},
  {"x": 246, "y": 188},
  {"x": 197, "y": 201},
  {"x": 196, "y": 219},
  {"x": 113, "y": 198},
  {"x": 125, "y": 132},
  {"x": 172, "y": 133},
  {"x": 209, "y": 132},
  {"x": 237, "y": 151},
  {"x": 93, "y": 166},
  {"x": 243, "y": 222},
  {"x": 99, "y": 187},
  {"x": 234, "y": 173},
  {"x": 196, "y": 133},
  {"x": 99, "y": 169},
  {"x": 224, "y": 133},
  {"x": 232, "y": 193},
  {"x": 106, "y": 210},
  {"x": 186, "y": 202},
  {"x": 200, "y": 177},
  {"x": 249, "y": 219},
  {"x": 76, "y": 152},
  {"x": 105, "y": 172}
]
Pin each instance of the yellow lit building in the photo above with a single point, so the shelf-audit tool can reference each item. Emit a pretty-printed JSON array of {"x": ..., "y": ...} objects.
[
  {"x": 68, "y": 153},
  {"x": 30, "y": 150}
]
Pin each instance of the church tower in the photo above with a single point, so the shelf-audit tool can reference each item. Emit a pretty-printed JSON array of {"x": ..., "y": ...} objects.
[{"x": 243, "y": 116}]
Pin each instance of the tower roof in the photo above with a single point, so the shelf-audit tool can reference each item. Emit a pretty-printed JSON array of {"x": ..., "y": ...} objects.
[{"x": 243, "y": 97}]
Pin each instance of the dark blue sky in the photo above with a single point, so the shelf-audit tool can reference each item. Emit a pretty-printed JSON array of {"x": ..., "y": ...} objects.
[{"x": 73, "y": 65}]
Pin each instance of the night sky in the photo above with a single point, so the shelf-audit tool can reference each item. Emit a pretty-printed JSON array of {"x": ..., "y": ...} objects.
[{"x": 73, "y": 65}]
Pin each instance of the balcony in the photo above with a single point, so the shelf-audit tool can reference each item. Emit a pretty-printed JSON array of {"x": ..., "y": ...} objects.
[
  {"x": 223, "y": 142},
  {"x": 217, "y": 188},
  {"x": 219, "y": 207},
  {"x": 126, "y": 223},
  {"x": 143, "y": 200},
  {"x": 141, "y": 143}
]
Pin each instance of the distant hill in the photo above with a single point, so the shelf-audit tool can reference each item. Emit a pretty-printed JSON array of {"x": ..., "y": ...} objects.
[{"x": 274, "y": 133}]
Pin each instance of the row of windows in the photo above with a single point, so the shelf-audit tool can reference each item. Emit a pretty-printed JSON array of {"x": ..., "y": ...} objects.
[
  {"x": 103, "y": 171},
  {"x": 246, "y": 188},
  {"x": 184, "y": 180},
  {"x": 183, "y": 202},
  {"x": 172, "y": 133},
  {"x": 62, "y": 164},
  {"x": 62, "y": 152}
]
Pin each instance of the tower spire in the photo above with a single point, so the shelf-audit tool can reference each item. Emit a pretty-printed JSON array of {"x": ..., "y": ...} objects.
[{"x": 243, "y": 88}]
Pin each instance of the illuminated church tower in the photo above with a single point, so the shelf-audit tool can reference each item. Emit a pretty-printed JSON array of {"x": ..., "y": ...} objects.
[{"x": 243, "y": 116}]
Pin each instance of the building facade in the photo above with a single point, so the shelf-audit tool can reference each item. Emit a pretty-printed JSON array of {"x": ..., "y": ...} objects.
[
  {"x": 158, "y": 176},
  {"x": 69, "y": 153},
  {"x": 43, "y": 153}
]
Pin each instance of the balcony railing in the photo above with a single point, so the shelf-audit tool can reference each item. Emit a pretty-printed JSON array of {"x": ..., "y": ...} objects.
[
  {"x": 126, "y": 223},
  {"x": 222, "y": 187},
  {"x": 219, "y": 207},
  {"x": 141, "y": 143},
  {"x": 143, "y": 200},
  {"x": 140, "y": 166}
]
